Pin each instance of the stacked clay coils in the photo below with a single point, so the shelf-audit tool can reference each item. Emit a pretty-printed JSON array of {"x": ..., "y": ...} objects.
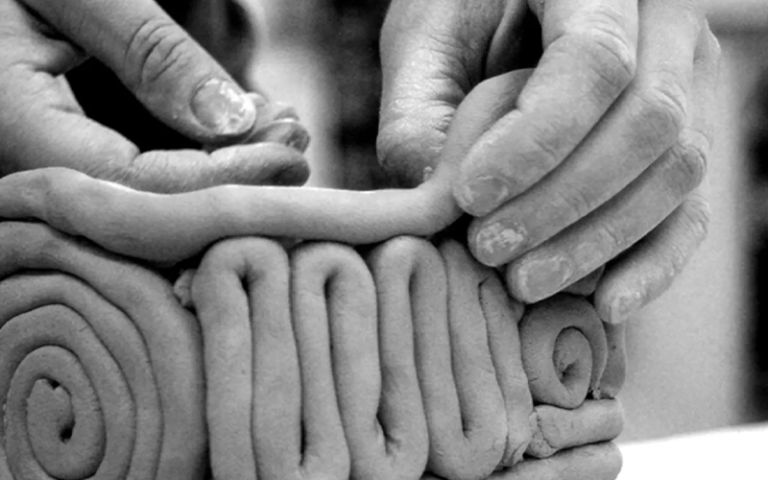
[{"x": 403, "y": 360}]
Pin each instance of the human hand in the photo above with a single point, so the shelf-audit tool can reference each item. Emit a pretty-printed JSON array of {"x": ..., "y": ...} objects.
[
  {"x": 609, "y": 138},
  {"x": 42, "y": 124}
]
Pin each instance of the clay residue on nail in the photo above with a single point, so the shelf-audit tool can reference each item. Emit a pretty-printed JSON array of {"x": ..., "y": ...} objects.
[
  {"x": 541, "y": 278},
  {"x": 221, "y": 107},
  {"x": 481, "y": 195},
  {"x": 625, "y": 305},
  {"x": 498, "y": 242}
]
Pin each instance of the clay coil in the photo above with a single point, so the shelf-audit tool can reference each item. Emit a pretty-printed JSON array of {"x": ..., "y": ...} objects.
[
  {"x": 594, "y": 421},
  {"x": 100, "y": 368},
  {"x": 564, "y": 350},
  {"x": 166, "y": 229}
]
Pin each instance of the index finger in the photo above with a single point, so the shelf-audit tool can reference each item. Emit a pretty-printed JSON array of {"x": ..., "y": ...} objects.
[{"x": 588, "y": 61}]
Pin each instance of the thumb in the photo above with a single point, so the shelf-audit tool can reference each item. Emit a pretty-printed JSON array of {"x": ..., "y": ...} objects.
[
  {"x": 172, "y": 75},
  {"x": 433, "y": 54},
  {"x": 423, "y": 84}
]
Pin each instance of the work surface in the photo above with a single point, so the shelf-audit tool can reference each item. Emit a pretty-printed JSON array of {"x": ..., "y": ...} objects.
[{"x": 737, "y": 453}]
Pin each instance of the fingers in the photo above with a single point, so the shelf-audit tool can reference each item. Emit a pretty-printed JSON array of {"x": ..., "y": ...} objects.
[
  {"x": 649, "y": 268},
  {"x": 158, "y": 61},
  {"x": 643, "y": 124},
  {"x": 619, "y": 223},
  {"x": 432, "y": 55},
  {"x": 609, "y": 231},
  {"x": 45, "y": 127},
  {"x": 171, "y": 171},
  {"x": 589, "y": 59}
]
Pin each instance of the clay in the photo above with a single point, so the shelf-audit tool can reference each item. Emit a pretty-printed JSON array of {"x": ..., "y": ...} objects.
[
  {"x": 592, "y": 462},
  {"x": 335, "y": 318},
  {"x": 316, "y": 362},
  {"x": 615, "y": 372},
  {"x": 241, "y": 296},
  {"x": 100, "y": 370},
  {"x": 601, "y": 461},
  {"x": 169, "y": 228},
  {"x": 564, "y": 350},
  {"x": 594, "y": 421}
]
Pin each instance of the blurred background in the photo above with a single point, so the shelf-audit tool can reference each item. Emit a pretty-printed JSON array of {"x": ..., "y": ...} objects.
[{"x": 699, "y": 355}]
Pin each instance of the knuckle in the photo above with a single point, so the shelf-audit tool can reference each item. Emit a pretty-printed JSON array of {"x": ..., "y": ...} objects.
[
  {"x": 690, "y": 158},
  {"x": 616, "y": 240},
  {"x": 663, "y": 105},
  {"x": 609, "y": 46},
  {"x": 696, "y": 213},
  {"x": 157, "y": 47},
  {"x": 578, "y": 201}
]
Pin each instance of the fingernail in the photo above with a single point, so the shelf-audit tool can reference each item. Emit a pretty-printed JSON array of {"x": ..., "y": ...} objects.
[
  {"x": 540, "y": 279},
  {"x": 499, "y": 242},
  {"x": 287, "y": 132},
  {"x": 223, "y": 108},
  {"x": 623, "y": 306},
  {"x": 482, "y": 195}
]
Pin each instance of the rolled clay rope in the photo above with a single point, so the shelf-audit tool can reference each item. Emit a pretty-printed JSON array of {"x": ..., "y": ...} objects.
[
  {"x": 591, "y": 462},
  {"x": 474, "y": 391},
  {"x": 321, "y": 366},
  {"x": 557, "y": 428},
  {"x": 100, "y": 368},
  {"x": 565, "y": 350},
  {"x": 170, "y": 228},
  {"x": 300, "y": 408}
]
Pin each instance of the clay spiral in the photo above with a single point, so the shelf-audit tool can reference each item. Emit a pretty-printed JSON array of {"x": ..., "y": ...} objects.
[{"x": 100, "y": 373}]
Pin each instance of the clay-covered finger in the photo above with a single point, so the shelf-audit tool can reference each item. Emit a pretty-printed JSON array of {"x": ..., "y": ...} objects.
[
  {"x": 601, "y": 461},
  {"x": 616, "y": 225},
  {"x": 610, "y": 230},
  {"x": 502, "y": 315},
  {"x": 587, "y": 285},
  {"x": 589, "y": 59},
  {"x": 648, "y": 269},
  {"x": 564, "y": 350},
  {"x": 645, "y": 121},
  {"x": 595, "y": 421}
]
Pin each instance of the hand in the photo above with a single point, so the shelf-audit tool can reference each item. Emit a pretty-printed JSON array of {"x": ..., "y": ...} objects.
[
  {"x": 609, "y": 138},
  {"x": 42, "y": 124}
]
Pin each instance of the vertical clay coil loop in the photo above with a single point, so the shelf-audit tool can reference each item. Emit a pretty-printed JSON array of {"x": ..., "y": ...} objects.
[{"x": 241, "y": 295}]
